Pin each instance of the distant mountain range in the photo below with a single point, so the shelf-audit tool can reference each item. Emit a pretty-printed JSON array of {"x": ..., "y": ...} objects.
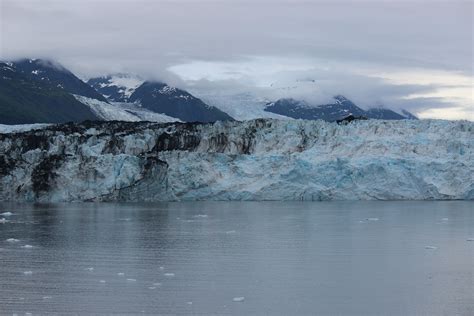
[
  {"x": 342, "y": 107},
  {"x": 42, "y": 91}
]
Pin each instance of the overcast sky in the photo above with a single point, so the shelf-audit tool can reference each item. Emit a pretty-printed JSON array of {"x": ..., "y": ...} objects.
[{"x": 416, "y": 55}]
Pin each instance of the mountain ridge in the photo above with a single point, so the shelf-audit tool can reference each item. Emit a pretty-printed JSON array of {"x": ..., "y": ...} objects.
[
  {"x": 331, "y": 112},
  {"x": 131, "y": 96}
]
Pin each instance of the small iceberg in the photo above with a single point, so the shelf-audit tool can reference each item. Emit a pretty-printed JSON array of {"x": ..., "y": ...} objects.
[
  {"x": 28, "y": 272},
  {"x": 238, "y": 299},
  {"x": 169, "y": 274},
  {"x": 445, "y": 219},
  {"x": 27, "y": 246},
  {"x": 131, "y": 280},
  {"x": 90, "y": 269},
  {"x": 152, "y": 287},
  {"x": 12, "y": 240},
  {"x": 372, "y": 219},
  {"x": 230, "y": 232},
  {"x": 3, "y": 221},
  {"x": 431, "y": 247},
  {"x": 6, "y": 214},
  {"x": 102, "y": 281},
  {"x": 47, "y": 297},
  {"x": 162, "y": 268},
  {"x": 200, "y": 216},
  {"x": 189, "y": 303},
  {"x": 120, "y": 274}
]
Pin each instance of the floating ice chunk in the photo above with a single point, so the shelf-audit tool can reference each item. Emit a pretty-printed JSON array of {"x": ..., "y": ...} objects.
[
  {"x": 162, "y": 268},
  {"x": 230, "y": 232},
  {"x": 6, "y": 213},
  {"x": 238, "y": 299},
  {"x": 90, "y": 269},
  {"x": 120, "y": 274},
  {"x": 431, "y": 247},
  {"x": 169, "y": 274},
  {"x": 13, "y": 240},
  {"x": 27, "y": 246},
  {"x": 131, "y": 280},
  {"x": 372, "y": 219},
  {"x": 470, "y": 239},
  {"x": 3, "y": 221},
  {"x": 189, "y": 303},
  {"x": 28, "y": 272},
  {"x": 200, "y": 216},
  {"x": 28, "y": 314},
  {"x": 445, "y": 219},
  {"x": 152, "y": 287},
  {"x": 47, "y": 297},
  {"x": 102, "y": 281}
]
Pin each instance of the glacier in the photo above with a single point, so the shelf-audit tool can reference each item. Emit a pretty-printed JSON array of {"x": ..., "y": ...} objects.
[
  {"x": 122, "y": 111},
  {"x": 263, "y": 159}
]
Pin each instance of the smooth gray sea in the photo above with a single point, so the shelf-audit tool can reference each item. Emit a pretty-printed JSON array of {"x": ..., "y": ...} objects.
[{"x": 238, "y": 258}]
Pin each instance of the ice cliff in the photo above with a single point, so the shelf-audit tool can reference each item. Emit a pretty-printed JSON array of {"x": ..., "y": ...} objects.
[{"x": 262, "y": 159}]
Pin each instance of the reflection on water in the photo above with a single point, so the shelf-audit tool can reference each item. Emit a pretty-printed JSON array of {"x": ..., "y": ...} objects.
[{"x": 351, "y": 258}]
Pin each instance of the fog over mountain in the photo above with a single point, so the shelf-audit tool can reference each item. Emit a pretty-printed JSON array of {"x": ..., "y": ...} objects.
[{"x": 414, "y": 55}]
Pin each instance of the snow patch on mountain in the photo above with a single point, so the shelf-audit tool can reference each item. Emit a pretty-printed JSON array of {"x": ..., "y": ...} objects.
[
  {"x": 119, "y": 111},
  {"x": 116, "y": 87},
  {"x": 128, "y": 83}
]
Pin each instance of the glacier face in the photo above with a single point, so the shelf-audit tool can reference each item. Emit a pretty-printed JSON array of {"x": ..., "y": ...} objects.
[{"x": 262, "y": 159}]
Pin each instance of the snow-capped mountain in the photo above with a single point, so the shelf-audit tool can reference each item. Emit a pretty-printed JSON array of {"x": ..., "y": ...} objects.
[
  {"x": 251, "y": 160},
  {"x": 162, "y": 98},
  {"x": 56, "y": 75},
  {"x": 26, "y": 100},
  {"x": 156, "y": 97},
  {"x": 117, "y": 87},
  {"x": 297, "y": 109},
  {"x": 342, "y": 107}
]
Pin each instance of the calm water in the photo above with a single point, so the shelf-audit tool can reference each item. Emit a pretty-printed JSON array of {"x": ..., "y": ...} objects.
[{"x": 294, "y": 258}]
